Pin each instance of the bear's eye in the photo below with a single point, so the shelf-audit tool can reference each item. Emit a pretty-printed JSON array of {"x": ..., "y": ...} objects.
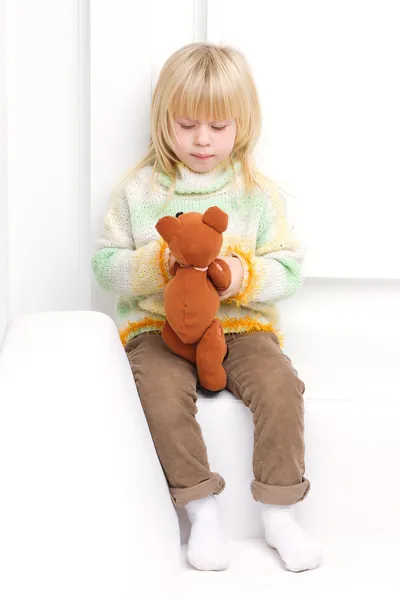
[{"x": 178, "y": 214}]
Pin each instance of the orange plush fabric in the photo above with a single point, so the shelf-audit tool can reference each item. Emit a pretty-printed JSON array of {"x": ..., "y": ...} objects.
[{"x": 191, "y": 300}]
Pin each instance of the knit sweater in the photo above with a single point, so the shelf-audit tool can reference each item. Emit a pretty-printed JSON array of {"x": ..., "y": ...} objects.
[{"x": 131, "y": 259}]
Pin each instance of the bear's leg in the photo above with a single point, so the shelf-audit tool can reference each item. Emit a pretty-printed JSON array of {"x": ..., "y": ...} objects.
[
  {"x": 175, "y": 344},
  {"x": 211, "y": 351}
]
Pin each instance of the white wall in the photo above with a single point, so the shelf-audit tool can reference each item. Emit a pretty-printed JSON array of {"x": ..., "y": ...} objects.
[
  {"x": 75, "y": 90},
  {"x": 46, "y": 203},
  {"x": 3, "y": 177}
]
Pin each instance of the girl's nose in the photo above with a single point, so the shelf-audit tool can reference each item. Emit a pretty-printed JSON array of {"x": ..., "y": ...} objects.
[{"x": 202, "y": 136}]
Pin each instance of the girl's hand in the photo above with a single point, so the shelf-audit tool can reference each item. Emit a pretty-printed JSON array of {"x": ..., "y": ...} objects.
[
  {"x": 237, "y": 273},
  {"x": 171, "y": 261},
  {"x": 172, "y": 265}
]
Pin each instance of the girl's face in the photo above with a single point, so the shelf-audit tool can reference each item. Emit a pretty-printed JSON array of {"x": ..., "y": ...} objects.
[{"x": 203, "y": 145}]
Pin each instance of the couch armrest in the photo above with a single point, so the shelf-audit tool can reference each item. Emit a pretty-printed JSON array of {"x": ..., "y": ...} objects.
[{"x": 85, "y": 510}]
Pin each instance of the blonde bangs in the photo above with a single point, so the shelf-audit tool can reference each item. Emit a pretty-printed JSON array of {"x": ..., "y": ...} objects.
[{"x": 205, "y": 95}]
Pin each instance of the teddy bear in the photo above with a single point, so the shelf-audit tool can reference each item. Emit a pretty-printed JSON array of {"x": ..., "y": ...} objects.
[{"x": 191, "y": 298}]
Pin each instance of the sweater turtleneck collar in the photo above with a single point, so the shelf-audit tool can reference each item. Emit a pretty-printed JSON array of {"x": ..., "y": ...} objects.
[{"x": 192, "y": 182}]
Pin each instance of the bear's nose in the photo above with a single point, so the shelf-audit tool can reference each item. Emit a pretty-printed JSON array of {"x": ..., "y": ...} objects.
[{"x": 178, "y": 214}]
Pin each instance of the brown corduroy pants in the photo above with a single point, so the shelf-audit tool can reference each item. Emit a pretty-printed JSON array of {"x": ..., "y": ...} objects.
[{"x": 259, "y": 374}]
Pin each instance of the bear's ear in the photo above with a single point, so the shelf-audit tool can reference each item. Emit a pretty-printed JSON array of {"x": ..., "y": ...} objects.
[
  {"x": 216, "y": 218},
  {"x": 167, "y": 227}
]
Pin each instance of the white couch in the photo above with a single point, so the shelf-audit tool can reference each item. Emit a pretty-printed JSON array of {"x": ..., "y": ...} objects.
[{"x": 84, "y": 506}]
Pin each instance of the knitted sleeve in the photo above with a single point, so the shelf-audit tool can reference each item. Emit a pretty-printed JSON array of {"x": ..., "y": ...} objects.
[
  {"x": 273, "y": 272},
  {"x": 121, "y": 267}
]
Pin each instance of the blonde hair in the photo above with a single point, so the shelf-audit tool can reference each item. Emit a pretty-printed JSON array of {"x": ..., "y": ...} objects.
[{"x": 207, "y": 80}]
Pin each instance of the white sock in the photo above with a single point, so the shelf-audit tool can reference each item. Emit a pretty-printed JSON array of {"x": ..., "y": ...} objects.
[
  {"x": 207, "y": 549},
  {"x": 297, "y": 549}
]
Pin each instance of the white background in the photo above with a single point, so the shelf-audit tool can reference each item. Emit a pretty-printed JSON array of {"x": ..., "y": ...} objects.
[{"x": 75, "y": 88}]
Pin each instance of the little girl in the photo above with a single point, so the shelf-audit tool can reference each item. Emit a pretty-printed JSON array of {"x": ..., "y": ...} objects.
[{"x": 205, "y": 123}]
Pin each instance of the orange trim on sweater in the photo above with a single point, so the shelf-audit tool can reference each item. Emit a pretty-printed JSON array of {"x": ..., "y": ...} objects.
[
  {"x": 161, "y": 255},
  {"x": 133, "y": 327},
  {"x": 248, "y": 325},
  {"x": 233, "y": 325}
]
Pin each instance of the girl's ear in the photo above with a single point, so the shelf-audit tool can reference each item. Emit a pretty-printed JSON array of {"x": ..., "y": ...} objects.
[
  {"x": 167, "y": 228},
  {"x": 216, "y": 218}
]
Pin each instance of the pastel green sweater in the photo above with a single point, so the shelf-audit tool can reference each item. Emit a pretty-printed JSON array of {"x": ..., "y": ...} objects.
[{"x": 131, "y": 259}]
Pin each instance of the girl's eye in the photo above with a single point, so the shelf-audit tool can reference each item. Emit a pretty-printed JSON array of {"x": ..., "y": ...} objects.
[{"x": 212, "y": 126}]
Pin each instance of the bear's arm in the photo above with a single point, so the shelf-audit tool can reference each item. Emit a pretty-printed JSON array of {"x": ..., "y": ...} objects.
[{"x": 220, "y": 274}]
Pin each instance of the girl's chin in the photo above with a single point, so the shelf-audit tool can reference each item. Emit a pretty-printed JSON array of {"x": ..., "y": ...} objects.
[{"x": 201, "y": 165}]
